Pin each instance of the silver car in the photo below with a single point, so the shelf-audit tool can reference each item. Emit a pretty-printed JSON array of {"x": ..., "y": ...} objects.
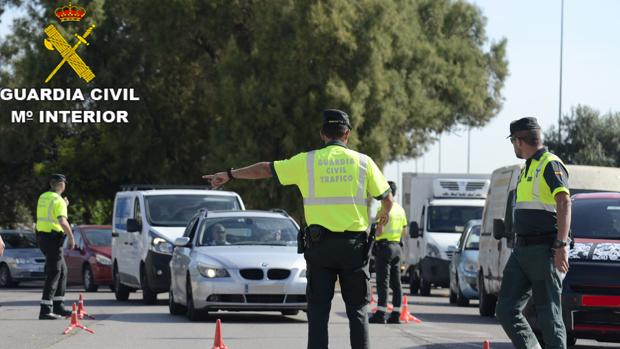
[
  {"x": 22, "y": 259},
  {"x": 237, "y": 261},
  {"x": 464, "y": 266}
]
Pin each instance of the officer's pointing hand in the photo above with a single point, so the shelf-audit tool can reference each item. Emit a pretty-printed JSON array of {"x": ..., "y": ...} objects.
[{"x": 217, "y": 180}]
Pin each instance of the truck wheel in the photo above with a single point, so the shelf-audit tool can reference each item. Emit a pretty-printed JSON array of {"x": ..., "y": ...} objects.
[
  {"x": 414, "y": 282},
  {"x": 487, "y": 302},
  {"x": 121, "y": 292},
  {"x": 425, "y": 286},
  {"x": 149, "y": 297}
]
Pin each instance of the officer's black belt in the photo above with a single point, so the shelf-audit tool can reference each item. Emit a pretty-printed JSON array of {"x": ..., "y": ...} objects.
[
  {"x": 346, "y": 235},
  {"x": 386, "y": 242},
  {"x": 535, "y": 240}
]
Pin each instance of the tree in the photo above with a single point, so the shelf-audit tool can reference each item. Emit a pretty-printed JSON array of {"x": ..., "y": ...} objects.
[
  {"x": 225, "y": 83},
  {"x": 588, "y": 138}
]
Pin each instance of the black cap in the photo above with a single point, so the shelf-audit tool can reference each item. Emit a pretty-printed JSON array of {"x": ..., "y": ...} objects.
[
  {"x": 392, "y": 187},
  {"x": 523, "y": 124},
  {"x": 336, "y": 117},
  {"x": 57, "y": 178}
]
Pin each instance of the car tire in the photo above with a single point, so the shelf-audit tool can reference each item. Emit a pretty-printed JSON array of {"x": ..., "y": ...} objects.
[
  {"x": 149, "y": 297},
  {"x": 571, "y": 340},
  {"x": 425, "y": 286},
  {"x": 5, "y": 277},
  {"x": 192, "y": 313},
  {"x": 290, "y": 312},
  {"x": 174, "y": 307},
  {"x": 461, "y": 300},
  {"x": 88, "y": 280},
  {"x": 487, "y": 302},
  {"x": 121, "y": 292},
  {"x": 414, "y": 282},
  {"x": 452, "y": 297}
]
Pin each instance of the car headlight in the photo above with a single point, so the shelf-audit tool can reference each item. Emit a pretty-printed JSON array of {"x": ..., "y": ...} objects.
[
  {"x": 432, "y": 250},
  {"x": 162, "y": 246},
  {"x": 211, "y": 272},
  {"x": 302, "y": 274},
  {"x": 101, "y": 259},
  {"x": 470, "y": 267},
  {"x": 23, "y": 260}
]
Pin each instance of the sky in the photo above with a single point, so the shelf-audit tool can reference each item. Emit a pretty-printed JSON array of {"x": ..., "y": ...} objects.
[{"x": 532, "y": 28}]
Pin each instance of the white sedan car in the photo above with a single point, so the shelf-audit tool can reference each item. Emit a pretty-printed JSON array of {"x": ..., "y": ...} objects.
[{"x": 237, "y": 261}]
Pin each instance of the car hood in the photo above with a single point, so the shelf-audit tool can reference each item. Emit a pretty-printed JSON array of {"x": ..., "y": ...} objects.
[
  {"x": 23, "y": 253},
  {"x": 103, "y": 250},
  {"x": 241, "y": 257},
  {"x": 596, "y": 250},
  {"x": 169, "y": 233}
]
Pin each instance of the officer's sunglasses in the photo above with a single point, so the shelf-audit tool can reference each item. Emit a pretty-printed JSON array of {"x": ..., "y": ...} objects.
[{"x": 514, "y": 138}]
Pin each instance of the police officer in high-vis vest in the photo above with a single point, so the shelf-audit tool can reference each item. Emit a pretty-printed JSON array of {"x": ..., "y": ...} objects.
[
  {"x": 336, "y": 183},
  {"x": 52, "y": 227},
  {"x": 540, "y": 255},
  {"x": 387, "y": 264}
]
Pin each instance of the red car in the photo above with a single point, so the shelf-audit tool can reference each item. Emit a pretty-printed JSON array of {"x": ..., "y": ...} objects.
[{"x": 89, "y": 263}]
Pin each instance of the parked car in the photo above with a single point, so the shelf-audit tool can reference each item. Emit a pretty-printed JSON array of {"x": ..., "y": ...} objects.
[
  {"x": 90, "y": 263},
  {"x": 464, "y": 265},
  {"x": 22, "y": 259},
  {"x": 591, "y": 289},
  {"x": 145, "y": 223},
  {"x": 237, "y": 260}
]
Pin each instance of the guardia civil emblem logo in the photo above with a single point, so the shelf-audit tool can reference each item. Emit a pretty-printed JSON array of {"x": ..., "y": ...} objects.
[{"x": 56, "y": 42}]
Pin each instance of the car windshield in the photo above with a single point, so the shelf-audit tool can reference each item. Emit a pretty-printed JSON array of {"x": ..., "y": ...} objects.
[
  {"x": 451, "y": 219},
  {"x": 177, "y": 210},
  {"x": 99, "y": 237},
  {"x": 596, "y": 218},
  {"x": 473, "y": 240},
  {"x": 247, "y": 231},
  {"x": 23, "y": 239}
]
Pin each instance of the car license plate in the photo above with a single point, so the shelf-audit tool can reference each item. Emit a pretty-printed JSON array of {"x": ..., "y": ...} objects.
[
  {"x": 264, "y": 289},
  {"x": 37, "y": 269}
]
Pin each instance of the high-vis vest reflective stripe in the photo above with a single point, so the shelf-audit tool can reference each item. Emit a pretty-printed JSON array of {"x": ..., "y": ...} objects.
[
  {"x": 46, "y": 222},
  {"x": 533, "y": 191},
  {"x": 394, "y": 229},
  {"x": 336, "y": 195}
]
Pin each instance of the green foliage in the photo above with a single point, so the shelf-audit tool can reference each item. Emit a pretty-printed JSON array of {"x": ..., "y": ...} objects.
[
  {"x": 588, "y": 138},
  {"x": 228, "y": 83}
]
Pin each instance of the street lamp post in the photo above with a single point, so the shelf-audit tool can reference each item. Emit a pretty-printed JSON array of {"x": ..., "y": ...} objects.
[{"x": 561, "y": 56}]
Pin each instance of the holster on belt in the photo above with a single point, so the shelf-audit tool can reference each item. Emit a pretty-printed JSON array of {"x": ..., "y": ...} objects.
[
  {"x": 314, "y": 235},
  {"x": 370, "y": 243}
]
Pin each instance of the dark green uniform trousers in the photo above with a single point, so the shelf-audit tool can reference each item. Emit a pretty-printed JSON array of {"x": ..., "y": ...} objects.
[
  {"x": 530, "y": 271},
  {"x": 387, "y": 267},
  {"x": 342, "y": 258}
]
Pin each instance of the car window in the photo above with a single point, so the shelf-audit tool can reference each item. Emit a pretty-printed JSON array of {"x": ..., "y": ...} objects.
[
  {"x": 451, "y": 219},
  {"x": 177, "y": 210},
  {"x": 473, "y": 239},
  {"x": 19, "y": 240},
  {"x": 99, "y": 237},
  {"x": 596, "y": 218},
  {"x": 248, "y": 231}
]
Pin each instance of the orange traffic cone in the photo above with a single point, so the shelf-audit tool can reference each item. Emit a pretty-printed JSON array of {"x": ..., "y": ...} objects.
[
  {"x": 405, "y": 316},
  {"x": 218, "y": 341},
  {"x": 82, "y": 313},
  {"x": 75, "y": 323},
  {"x": 486, "y": 345}
]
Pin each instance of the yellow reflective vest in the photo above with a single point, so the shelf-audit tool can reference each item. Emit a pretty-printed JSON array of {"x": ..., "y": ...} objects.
[
  {"x": 335, "y": 183},
  {"x": 533, "y": 191},
  {"x": 49, "y": 207},
  {"x": 397, "y": 222}
]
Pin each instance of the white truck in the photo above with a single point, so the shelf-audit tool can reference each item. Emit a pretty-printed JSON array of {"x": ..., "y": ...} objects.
[{"x": 438, "y": 207}]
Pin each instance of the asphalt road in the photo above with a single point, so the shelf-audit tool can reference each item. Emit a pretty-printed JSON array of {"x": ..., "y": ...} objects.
[{"x": 135, "y": 326}]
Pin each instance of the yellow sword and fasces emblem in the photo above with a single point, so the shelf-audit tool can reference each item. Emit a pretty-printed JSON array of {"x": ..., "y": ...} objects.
[{"x": 56, "y": 41}]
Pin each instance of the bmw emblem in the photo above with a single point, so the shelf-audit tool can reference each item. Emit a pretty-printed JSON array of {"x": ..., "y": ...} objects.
[{"x": 264, "y": 265}]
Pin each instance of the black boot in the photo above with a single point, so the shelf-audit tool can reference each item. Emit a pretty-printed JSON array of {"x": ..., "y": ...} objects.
[
  {"x": 59, "y": 308},
  {"x": 46, "y": 313},
  {"x": 394, "y": 318},
  {"x": 377, "y": 318}
]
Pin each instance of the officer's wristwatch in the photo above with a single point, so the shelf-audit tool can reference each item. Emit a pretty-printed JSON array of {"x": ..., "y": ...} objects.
[{"x": 560, "y": 243}]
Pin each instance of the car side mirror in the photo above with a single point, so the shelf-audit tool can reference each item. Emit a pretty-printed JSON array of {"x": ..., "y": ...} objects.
[
  {"x": 133, "y": 225},
  {"x": 414, "y": 230},
  {"x": 499, "y": 228},
  {"x": 181, "y": 242}
]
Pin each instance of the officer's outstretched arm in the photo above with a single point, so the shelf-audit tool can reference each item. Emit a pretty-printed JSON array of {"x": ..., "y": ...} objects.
[{"x": 259, "y": 170}]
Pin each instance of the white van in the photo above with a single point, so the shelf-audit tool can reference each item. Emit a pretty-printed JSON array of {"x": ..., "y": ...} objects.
[
  {"x": 496, "y": 236},
  {"x": 146, "y": 221}
]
